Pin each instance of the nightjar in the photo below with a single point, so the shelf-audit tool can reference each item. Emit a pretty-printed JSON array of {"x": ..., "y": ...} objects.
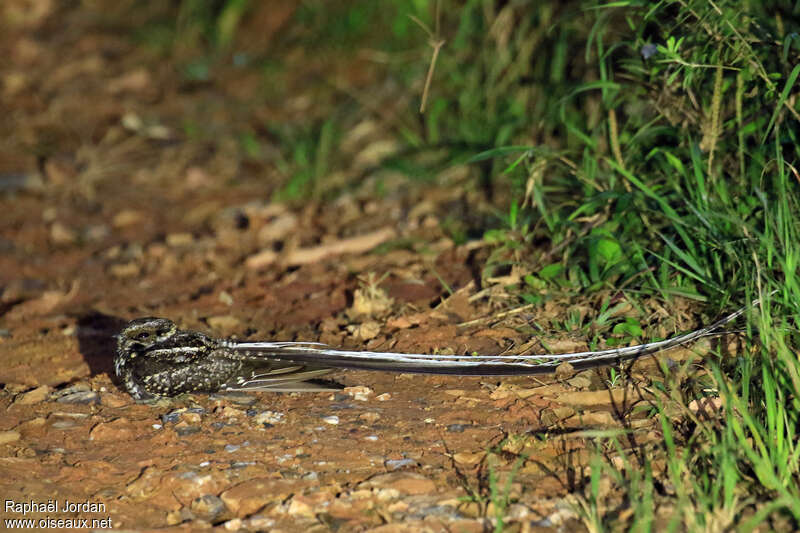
[{"x": 155, "y": 359}]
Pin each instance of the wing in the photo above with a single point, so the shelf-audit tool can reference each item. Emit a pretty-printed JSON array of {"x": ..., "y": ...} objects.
[
  {"x": 304, "y": 353},
  {"x": 282, "y": 378}
]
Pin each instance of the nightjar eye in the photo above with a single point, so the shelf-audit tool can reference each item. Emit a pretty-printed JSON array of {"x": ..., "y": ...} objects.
[{"x": 143, "y": 336}]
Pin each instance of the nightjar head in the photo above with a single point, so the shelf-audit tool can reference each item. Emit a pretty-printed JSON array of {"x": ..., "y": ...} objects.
[{"x": 143, "y": 333}]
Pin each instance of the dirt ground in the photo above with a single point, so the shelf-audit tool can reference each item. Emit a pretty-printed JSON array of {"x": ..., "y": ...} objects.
[{"x": 112, "y": 211}]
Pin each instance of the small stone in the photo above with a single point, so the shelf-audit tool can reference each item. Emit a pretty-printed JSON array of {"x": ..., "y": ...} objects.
[
  {"x": 223, "y": 323},
  {"x": 397, "y": 464},
  {"x": 226, "y": 298},
  {"x": 261, "y": 259},
  {"x": 37, "y": 395},
  {"x": 299, "y": 506},
  {"x": 359, "y": 393},
  {"x": 136, "y": 80},
  {"x": 588, "y": 379},
  {"x": 183, "y": 429},
  {"x": 127, "y": 217},
  {"x": 96, "y": 232},
  {"x": 469, "y": 459},
  {"x": 9, "y": 436},
  {"x": 176, "y": 240},
  {"x": 277, "y": 229},
  {"x": 230, "y": 412},
  {"x": 119, "y": 429},
  {"x": 260, "y": 523},
  {"x": 197, "y": 177},
  {"x": 172, "y": 417},
  {"x": 404, "y": 482},
  {"x": 32, "y": 424},
  {"x": 369, "y": 417},
  {"x": 250, "y": 496},
  {"x": 64, "y": 424},
  {"x": 233, "y": 525},
  {"x": 145, "y": 485},
  {"x": 192, "y": 418},
  {"x": 564, "y": 371},
  {"x": 62, "y": 235},
  {"x": 208, "y": 507},
  {"x": 383, "y": 397},
  {"x": 176, "y": 517},
  {"x": 269, "y": 417},
  {"x": 551, "y": 416},
  {"x": 332, "y": 420},
  {"x": 366, "y": 331},
  {"x": 124, "y": 270}
]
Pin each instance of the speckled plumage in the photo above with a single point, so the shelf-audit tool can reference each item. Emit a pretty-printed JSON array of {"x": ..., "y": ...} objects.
[{"x": 155, "y": 358}]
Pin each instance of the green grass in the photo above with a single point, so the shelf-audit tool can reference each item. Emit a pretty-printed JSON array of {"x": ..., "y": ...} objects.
[{"x": 684, "y": 164}]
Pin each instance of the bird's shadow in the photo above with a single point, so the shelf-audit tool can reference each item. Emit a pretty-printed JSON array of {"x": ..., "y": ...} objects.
[{"x": 97, "y": 341}]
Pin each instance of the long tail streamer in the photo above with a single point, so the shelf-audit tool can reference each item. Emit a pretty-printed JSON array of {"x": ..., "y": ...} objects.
[{"x": 315, "y": 354}]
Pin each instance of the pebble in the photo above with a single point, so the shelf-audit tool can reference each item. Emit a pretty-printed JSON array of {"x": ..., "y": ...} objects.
[
  {"x": 397, "y": 464},
  {"x": 208, "y": 507},
  {"x": 37, "y": 395},
  {"x": 268, "y": 417},
  {"x": 260, "y": 523},
  {"x": 183, "y": 429},
  {"x": 64, "y": 424},
  {"x": 176, "y": 240},
  {"x": 332, "y": 420},
  {"x": 61, "y": 234},
  {"x": 188, "y": 414},
  {"x": 469, "y": 459},
  {"x": 403, "y": 482},
  {"x": 233, "y": 525},
  {"x": 9, "y": 436},
  {"x": 369, "y": 417},
  {"x": 120, "y": 429},
  {"x": 171, "y": 417},
  {"x": 96, "y": 232},
  {"x": 224, "y": 323},
  {"x": 457, "y": 428}
]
